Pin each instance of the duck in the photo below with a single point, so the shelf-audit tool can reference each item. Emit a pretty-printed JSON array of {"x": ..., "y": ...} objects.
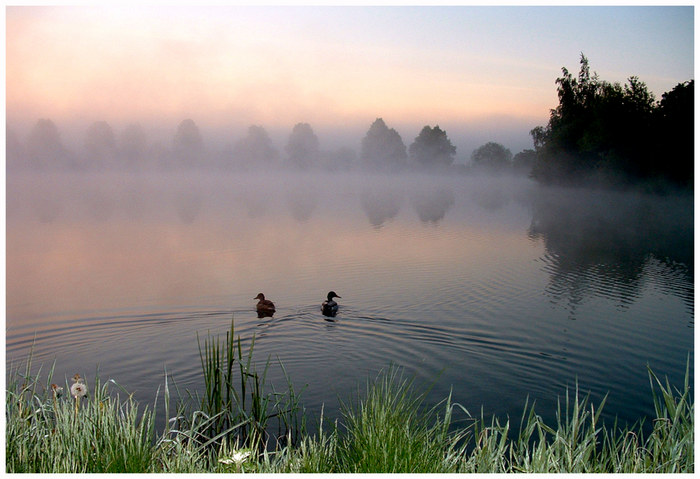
[
  {"x": 265, "y": 307},
  {"x": 330, "y": 307}
]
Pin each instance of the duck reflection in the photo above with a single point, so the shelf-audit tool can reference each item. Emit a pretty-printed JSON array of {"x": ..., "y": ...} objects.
[
  {"x": 380, "y": 205},
  {"x": 432, "y": 205}
]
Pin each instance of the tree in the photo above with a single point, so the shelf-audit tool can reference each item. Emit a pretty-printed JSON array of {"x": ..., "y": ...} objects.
[
  {"x": 492, "y": 156},
  {"x": 44, "y": 145},
  {"x": 524, "y": 161},
  {"x": 383, "y": 148},
  {"x": 255, "y": 150},
  {"x": 675, "y": 123},
  {"x": 188, "y": 145},
  {"x": 610, "y": 132},
  {"x": 100, "y": 145},
  {"x": 302, "y": 146},
  {"x": 432, "y": 148}
]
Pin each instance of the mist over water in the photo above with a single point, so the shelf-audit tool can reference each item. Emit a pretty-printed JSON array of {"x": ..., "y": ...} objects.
[{"x": 498, "y": 287}]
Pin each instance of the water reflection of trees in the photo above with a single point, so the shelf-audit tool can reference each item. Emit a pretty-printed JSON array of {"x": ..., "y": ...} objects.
[
  {"x": 491, "y": 196},
  {"x": 301, "y": 202},
  {"x": 432, "y": 204},
  {"x": 604, "y": 243},
  {"x": 380, "y": 204},
  {"x": 188, "y": 205}
]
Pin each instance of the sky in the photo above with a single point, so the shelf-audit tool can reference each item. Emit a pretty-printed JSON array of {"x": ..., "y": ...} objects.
[{"x": 480, "y": 73}]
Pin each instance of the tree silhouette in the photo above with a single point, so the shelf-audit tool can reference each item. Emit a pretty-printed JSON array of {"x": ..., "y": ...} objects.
[
  {"x": 302, "y": 147},
  {"x": 382, "y": 148},
  {"x": 524, "y": 161},
  {"x": 675, "y": 123},
  {"x": 492, "y": 157},
  {"x": 432, "y": 148},
  {"x": 44, "y": 146},
  {"x": 188, "y": 146},
  {"x": 254, "y": 150},
  {"x": 608, "y": 132}
]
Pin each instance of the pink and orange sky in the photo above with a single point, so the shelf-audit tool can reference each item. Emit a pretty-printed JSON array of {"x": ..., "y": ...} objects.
[{"x": 476, "y": 71}]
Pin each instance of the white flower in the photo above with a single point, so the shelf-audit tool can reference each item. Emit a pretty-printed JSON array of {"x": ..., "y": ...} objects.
[
  {"x": 78, "y": 390},
  {"x": 237, "y": 458}
]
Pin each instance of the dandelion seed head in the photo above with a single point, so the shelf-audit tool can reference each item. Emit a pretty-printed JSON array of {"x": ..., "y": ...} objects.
[{"x": 78, "y": 390}]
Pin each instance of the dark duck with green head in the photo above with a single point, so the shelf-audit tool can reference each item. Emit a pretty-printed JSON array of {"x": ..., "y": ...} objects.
[
  {"x": 330, "y": 307},
  {"x": 265, "y": 307}
]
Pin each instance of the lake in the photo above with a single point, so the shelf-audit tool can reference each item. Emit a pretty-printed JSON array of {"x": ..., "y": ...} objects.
[{"x": 496, "y": 289}]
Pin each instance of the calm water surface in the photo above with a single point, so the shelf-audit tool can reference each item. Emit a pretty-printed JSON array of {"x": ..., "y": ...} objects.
[{"x": 496, "y": 289}]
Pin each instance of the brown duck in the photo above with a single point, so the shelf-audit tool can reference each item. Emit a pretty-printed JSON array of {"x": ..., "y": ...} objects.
[{"x": 265, "y": 307}]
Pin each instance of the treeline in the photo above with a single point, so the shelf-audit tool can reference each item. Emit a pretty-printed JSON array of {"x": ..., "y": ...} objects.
[
  {"x": 600, "y": 133},
  {"x": 616, "y": 135},
  {"x": 382, "y": 149}
]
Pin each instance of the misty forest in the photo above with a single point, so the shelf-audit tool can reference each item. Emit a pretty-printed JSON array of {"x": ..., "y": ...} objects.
[
  {"x": 600, "y": 133},
  {"x": 527, "y": 312}
]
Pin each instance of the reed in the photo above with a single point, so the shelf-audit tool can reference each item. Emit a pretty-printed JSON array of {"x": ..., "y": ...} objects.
[{"x": 236, "y": 401}]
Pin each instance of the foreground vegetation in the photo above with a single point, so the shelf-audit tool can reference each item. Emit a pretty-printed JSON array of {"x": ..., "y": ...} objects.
[{"x": 388, "y": 428}]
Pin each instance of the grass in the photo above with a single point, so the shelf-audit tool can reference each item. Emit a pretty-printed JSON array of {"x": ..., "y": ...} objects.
[
  {"x": 48, "y": 434},
  {"x": 387, "y": 428}
]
